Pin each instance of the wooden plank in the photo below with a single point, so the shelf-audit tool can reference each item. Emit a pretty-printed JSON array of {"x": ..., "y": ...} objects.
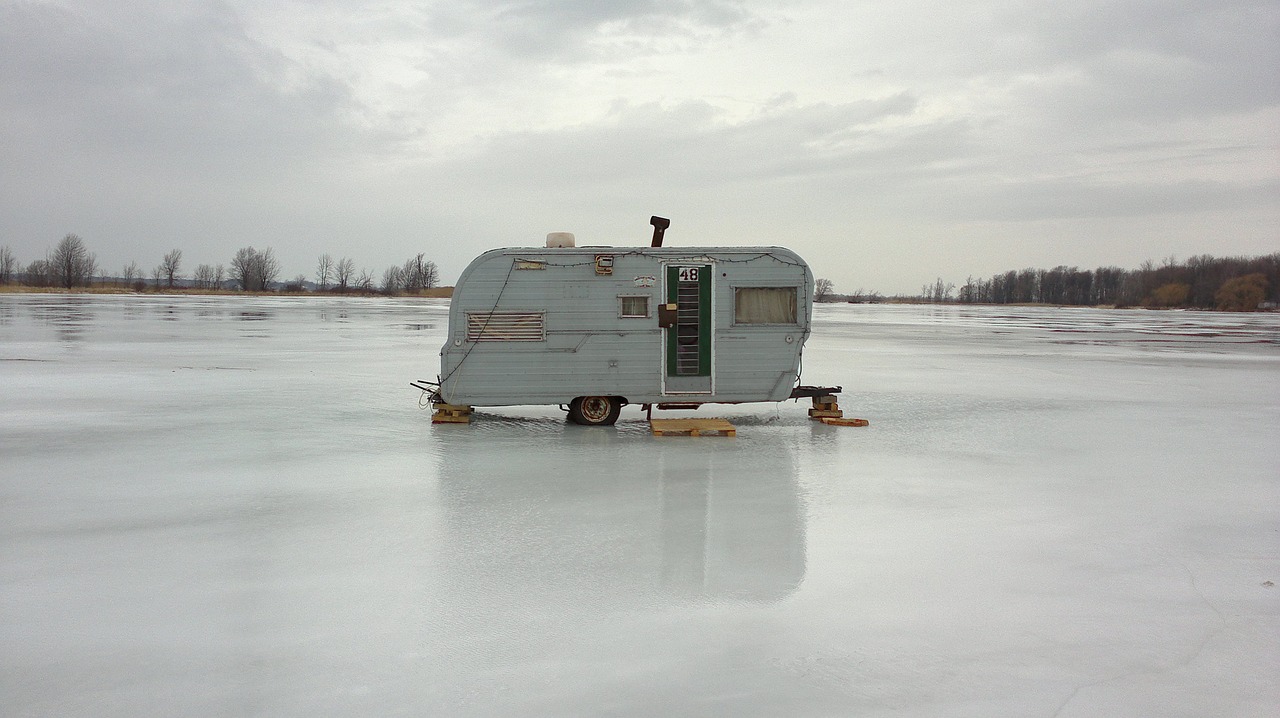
[
  {"x": 691, "y": 427},
  {"x": 835, "y": 421},
  {"x": 820, "y": 414}
]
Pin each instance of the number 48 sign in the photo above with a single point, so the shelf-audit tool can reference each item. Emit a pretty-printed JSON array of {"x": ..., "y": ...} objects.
[{"x": 688, "y": 274}]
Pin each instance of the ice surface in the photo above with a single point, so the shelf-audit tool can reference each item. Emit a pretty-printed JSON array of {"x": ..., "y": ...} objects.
[{"x": 234, "y": 506}]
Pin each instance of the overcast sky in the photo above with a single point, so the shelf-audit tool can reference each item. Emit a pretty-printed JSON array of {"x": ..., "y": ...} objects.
[{"x": 887, "y": 142}]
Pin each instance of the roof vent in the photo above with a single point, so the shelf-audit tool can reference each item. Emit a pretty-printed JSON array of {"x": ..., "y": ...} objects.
[{"x": 560, "y": 239}]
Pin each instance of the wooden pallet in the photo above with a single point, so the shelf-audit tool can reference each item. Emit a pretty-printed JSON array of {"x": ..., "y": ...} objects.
[
  {"x": 451, "y": 414},
  {"x": 840, "y": 421},
  {"x": 691, "y": 427}
]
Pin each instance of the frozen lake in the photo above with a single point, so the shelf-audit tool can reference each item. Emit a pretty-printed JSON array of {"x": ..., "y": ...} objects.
[{"x": 234, "y": 506}]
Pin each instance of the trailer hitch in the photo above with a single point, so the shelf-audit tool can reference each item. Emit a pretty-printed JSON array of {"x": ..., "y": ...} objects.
[{"x": 809, "y": 392}]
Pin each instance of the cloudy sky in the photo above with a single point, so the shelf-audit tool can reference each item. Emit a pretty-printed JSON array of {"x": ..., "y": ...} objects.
[{"x": 887, "y": 142}]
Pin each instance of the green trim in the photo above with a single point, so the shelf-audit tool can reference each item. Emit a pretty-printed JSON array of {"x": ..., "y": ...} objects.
[
  {"x": 704, "y": 321},
  {"x": 704, "y": 318},
  {"x": 672, "y": 280}
]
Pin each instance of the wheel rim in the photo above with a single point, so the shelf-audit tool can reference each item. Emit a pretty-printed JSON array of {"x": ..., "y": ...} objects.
[{"x": 595, "y": 408}]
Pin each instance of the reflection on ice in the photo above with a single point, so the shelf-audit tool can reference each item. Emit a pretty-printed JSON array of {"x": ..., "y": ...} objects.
[
  {"x": 696, "y": 520},
  {"x": 69, "y": 315}
]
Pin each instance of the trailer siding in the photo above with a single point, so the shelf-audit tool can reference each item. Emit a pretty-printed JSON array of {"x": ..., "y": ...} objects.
[{"x": 590, "y": 349}]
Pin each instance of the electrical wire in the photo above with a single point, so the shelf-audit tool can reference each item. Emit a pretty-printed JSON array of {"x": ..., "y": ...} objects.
[
  {"x": 484, "y": 326},
  {"x": 629, "y": 253}
]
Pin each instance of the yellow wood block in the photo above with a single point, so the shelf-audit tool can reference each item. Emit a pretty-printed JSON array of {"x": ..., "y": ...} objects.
[
  {"x": 820, "y": 414},
  {"x": 451, "y": 414}
]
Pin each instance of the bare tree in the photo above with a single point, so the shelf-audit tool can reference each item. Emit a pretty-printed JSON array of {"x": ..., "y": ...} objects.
[
  {"x": 38, "y": 274},
  {"x": 324, "y": 272},
  {"x": 411, "y": 273},
  {"x": 242, "y": 267},
  {"x": 8, "y": 264},
  {"x": 171, "y": 263},
  {"x": 822, "y": 290},
  {"x": 71, "y": 264},
  {"x": 218, "y": 275},
  {"x": 131, "y": 273},
  {"x": 254, "y": 271},
  {"x": 157, "y": 275},
  {"x": 203, "y": 276},
  {"x": 268, "y": 267},
  {"x": 364, "y": 282},
  {"x": 418, "y": 274},
  {"x": 391, "y": 280},
  {"x": 344, "y": 273},
  {"x": 943, "y": 291}
]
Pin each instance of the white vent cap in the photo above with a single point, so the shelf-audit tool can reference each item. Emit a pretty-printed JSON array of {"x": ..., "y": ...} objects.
[{"x": 560, "y": 239}]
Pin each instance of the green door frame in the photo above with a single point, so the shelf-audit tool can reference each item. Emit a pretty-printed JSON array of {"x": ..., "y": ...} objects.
[{"x": 676, "y": 274}]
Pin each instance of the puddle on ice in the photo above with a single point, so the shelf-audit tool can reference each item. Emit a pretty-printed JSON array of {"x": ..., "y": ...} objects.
[{"x": 1050, "y": 508}]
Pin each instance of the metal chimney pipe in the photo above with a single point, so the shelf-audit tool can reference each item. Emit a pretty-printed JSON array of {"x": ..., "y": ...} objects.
[{"x": 660, "y": 225}]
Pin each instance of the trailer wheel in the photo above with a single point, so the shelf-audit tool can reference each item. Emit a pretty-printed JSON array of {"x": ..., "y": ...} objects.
[{"x": 595, "y": 410}]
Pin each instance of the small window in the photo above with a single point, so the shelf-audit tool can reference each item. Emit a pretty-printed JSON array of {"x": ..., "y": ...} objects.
[
  {"x": 764, "y": 305},
  {"x": 634, "y": 307}
]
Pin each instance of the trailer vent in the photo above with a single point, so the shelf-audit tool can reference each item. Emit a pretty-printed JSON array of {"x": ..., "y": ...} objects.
[{"x": 506, "y": 327}]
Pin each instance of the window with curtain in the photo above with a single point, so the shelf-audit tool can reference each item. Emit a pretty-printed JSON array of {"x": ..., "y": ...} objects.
[
  {"x": 764, "y": 305},
  {"x": 634, "y": 307}
]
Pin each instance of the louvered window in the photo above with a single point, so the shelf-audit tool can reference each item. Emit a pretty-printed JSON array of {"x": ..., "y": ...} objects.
[{"x": 506, "y": 327}]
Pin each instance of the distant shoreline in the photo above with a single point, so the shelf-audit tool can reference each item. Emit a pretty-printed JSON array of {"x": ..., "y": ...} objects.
[
  {"x": 923, "y": 303},
  {"x": 447, "y": 292},
  {"x": 434, "y": 293}
]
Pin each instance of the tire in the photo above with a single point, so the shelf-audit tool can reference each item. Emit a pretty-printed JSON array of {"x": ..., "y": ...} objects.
[{"x": 595, "y": 410}]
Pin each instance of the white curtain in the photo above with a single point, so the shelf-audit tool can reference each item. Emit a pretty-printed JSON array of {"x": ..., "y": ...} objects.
[{"x": 765, "y": 305}]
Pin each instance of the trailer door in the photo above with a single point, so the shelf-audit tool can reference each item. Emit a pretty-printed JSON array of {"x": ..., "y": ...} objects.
[{"x": 688, "y": 341}]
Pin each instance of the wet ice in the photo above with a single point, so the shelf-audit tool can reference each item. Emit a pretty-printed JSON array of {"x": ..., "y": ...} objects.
[{"x": 235, "y": 505}]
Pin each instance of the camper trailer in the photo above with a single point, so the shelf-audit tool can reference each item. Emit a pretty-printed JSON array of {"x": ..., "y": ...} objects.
[{"x": 595, "y": 328}]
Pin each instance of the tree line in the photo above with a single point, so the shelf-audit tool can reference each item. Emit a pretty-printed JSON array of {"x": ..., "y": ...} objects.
[
  {"x": 70, "y": 264},
  {"x": 1201, "y": 282}
]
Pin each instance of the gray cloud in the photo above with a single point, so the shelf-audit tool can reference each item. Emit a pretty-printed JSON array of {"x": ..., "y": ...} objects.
[
  {"x": 546, "y": 29},
  {"x": 190, "y": 88},
  {"x": 1154, "y": 59},
  {"x": 383, "y": 128},
  {"x": 689, "y": 143}
]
